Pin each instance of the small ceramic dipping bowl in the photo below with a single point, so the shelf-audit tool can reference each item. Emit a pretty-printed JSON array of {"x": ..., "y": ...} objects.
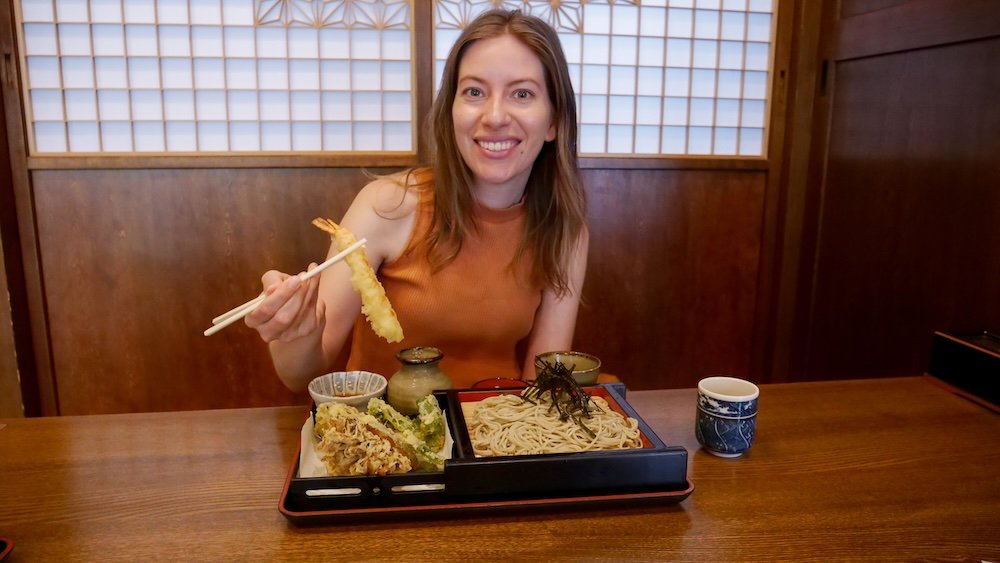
[
  {"x": 353, "y": 388},
  {"x": 585, "y": 366}
]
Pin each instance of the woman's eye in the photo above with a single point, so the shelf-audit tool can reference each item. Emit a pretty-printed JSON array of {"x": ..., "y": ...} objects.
[
  {"x": 474, "y": 92},
  {"x": 522, "y": 94}
]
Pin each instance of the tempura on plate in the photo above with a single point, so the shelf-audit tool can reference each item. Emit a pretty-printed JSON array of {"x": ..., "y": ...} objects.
[{"x": 377, "y": 442}]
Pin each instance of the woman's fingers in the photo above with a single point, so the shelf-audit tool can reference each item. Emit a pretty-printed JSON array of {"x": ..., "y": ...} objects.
[
  {"x": 289, "y": 309},
  {"x": 278, "y": 310},
  {"x": 272, "y": 278},
  {"x": 312, "y": 292},
  {"x": 306, "y": 320}
]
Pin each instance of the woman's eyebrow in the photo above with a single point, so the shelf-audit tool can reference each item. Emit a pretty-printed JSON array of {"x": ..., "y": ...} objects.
[{"x": 516, "y": 81}]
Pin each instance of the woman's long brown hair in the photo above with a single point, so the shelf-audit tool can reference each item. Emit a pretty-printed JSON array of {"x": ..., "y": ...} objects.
[{"x": 554, "y": 196}]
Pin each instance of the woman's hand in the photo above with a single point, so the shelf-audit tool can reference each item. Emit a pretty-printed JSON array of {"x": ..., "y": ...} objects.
[{"x": 291, "y": 309}]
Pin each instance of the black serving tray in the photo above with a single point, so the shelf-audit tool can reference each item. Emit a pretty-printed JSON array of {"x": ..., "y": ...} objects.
[
  {"x": 968, "y": 363},
  {"x": 653, "y": 474}
]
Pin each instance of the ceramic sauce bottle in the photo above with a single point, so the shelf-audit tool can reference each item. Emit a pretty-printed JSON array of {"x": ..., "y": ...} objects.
[{"x": 418, "y": 376}]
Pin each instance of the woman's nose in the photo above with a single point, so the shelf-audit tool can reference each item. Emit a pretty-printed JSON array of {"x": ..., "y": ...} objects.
[{"x": 495, "y": 113}]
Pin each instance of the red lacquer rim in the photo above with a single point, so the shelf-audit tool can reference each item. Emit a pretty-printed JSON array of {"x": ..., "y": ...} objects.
[{"x": 5, "y": 547}]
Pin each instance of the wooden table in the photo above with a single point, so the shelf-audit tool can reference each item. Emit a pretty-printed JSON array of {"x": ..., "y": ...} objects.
[{"x": 890, "y": 469}]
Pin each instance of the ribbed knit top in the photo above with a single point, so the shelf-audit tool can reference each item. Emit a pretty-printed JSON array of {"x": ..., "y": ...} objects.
[{"x": 476, "y": 309}]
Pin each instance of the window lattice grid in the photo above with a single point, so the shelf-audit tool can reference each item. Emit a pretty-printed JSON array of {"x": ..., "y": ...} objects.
[
  {"x": 652, "y": 77},
  {"x": 677, "y": 77},
  {"x": 218, "y": 75}
]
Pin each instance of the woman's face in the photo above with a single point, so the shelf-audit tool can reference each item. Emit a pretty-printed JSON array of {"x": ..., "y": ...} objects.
[{"x": 502, "y": 115}]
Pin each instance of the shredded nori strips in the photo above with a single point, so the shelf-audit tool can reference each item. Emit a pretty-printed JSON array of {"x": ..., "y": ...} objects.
[{"x": 555, "y": 380}]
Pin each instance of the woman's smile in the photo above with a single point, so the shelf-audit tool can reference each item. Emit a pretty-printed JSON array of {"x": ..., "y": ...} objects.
[
  {"x": 497, "y": 146},
  {"x": 502, "y": 115}
]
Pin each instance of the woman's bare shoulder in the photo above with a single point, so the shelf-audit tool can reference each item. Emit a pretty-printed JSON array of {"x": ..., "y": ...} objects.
[
  {"x": 393, "y": 196},
  {"x": 384, "y": 211}
]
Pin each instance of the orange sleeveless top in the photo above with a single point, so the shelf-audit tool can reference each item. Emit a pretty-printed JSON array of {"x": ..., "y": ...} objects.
[{"x": 476, "y": 309}]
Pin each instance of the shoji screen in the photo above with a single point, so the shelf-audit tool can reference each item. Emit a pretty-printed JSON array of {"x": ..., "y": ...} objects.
[
  {"x": 655, "y": 76},
  {"x": 217, "y": 75}
]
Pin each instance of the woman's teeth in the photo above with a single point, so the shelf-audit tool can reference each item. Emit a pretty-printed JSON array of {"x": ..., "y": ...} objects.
[{"x": 496, "y": 147}]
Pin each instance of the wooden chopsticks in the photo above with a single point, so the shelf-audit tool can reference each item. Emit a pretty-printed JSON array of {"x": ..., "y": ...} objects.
[{"x": 240, "y": 311}]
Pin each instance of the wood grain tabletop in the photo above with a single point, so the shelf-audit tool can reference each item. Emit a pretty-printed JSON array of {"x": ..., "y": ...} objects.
[{"x": 884, "y": 469}]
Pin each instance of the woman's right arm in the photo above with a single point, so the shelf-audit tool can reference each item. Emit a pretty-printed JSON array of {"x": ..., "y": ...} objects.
[
  {"x": 292, "y": 320},
  {"x": 307, "y": 324}
]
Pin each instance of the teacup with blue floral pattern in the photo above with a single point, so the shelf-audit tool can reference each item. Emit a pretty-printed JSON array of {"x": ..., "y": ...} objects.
[{"x": 726, "y": 420}]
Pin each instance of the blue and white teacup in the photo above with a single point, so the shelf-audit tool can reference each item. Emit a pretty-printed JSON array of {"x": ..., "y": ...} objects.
[{"x": 727, "y": 415}]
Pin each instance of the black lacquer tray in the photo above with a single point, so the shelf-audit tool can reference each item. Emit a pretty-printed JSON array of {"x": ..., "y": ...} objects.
[{"x": 653, "y": 474}]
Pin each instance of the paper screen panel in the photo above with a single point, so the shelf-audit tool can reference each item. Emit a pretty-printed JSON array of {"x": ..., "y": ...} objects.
[
  {"x": 653, "y": 77},
  {"x": 142, "y": 76}
]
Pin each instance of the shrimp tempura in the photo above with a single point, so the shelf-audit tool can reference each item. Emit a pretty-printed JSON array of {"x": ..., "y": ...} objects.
[{"x": 374, "y": 303}]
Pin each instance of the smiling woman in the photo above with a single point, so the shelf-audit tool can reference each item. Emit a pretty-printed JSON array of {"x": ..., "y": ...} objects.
[
  {"x": 482, "y": 252},
  {"x": 502, "y": 117}
]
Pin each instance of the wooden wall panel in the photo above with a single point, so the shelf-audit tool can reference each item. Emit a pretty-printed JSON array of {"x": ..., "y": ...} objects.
[
  {"x": 914, "y": 24},
  {"x": 855, "y": 7},
  {"x": 137, "y": 262},
  {"x": 909, "y": 224},
  {"x": 672, "y": 278},
  {"x": 11, "y": 403},
  {"x": 10, "y": 388}
]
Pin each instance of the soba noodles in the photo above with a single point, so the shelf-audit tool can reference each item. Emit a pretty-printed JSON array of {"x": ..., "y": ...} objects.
[{"x": 507, "y": 425}]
